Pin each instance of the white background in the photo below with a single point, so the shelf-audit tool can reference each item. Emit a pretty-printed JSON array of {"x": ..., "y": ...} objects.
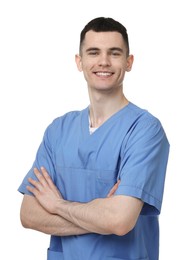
[{"x": 39, "y": 81}]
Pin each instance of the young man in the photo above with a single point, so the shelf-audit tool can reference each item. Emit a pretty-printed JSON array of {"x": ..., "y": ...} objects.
[{"x": 97, "y": 182}]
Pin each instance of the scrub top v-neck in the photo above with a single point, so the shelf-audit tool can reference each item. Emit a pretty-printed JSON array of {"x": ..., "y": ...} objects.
[
  {"x": 85, "y": 119},
  {"x": 131, "y": 146}
]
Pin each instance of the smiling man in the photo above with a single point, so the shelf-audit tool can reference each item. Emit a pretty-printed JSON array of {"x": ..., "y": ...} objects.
[{"x": 96, "y": 185}]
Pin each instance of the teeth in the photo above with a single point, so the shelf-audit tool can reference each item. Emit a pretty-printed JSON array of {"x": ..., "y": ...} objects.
[{"x": 104, "y": 73}]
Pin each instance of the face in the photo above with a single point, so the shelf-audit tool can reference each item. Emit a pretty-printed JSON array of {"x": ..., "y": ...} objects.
[{"x": 103, "y": 60}]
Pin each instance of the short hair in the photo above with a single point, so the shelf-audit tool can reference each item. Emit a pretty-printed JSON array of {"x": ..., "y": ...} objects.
[{"x": 105, "y": 24}]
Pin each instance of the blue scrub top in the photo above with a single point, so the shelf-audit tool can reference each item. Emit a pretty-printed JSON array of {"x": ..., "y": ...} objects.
[{"x": 131, "y": 146}]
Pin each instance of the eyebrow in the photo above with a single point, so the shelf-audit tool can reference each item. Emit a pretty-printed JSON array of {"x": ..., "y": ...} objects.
[
  {"x": 116, "y": 49},
  {"x": 92, "y": 49},
  {"x": 111, "y": 49}
]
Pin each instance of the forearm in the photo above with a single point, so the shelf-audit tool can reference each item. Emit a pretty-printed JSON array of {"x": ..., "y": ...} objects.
[
  {"x": 111, "y": 215},
  {"x": 101, "y": 216},
  {"x": 34, "y": 216}
]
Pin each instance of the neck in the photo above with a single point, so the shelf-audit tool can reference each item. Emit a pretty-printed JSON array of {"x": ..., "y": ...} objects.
[{"x": 104, "y": 106}]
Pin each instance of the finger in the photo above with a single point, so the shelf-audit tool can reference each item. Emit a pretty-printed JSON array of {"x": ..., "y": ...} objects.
[
  {"x": 47, "y": 178},
  {"x": 111, "y": 192},
  {"x": 50, "y": 182},
  {"x": 40, "y": 177},
  {"x": 113, "y": 189},
  {"x": 36, "y": 184},
  {"x": 32, "y": 190}
]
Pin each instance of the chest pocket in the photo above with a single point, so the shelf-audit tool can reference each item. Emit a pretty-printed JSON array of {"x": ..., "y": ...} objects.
[{"x": 84, "y": 185}]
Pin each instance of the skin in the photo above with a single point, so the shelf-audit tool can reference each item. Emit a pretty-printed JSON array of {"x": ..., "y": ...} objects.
[
  {"x": 104, "y": 65},
  {"x": 111, "y": 215},
  {"x": 104, "y": 62},
  {"x": 35, "y": 216}
]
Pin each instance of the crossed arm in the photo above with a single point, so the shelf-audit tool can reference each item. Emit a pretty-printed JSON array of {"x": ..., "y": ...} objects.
[{"x": 48, "y": 212}]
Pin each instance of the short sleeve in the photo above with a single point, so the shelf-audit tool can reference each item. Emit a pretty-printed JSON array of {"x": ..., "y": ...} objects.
[
  {"x": 44, "y": 157},
  {"x": 143, "y": 164}
]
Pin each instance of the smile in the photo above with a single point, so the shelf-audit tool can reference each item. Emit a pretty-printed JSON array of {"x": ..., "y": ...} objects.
[{"x": 104, "y": 74}]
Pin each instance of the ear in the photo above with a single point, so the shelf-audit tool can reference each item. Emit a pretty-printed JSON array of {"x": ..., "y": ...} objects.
[
  {"x": 130, "y": 60},
  {"x": 78, "y": 61}
]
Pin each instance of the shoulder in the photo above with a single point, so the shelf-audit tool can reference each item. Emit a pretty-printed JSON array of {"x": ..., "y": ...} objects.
[
  {"x": 61, "y": 125},
  {"x": 141, "y": 117},
  {"x": 144, "y": 124},
  {"x": 65, "y": 119}
]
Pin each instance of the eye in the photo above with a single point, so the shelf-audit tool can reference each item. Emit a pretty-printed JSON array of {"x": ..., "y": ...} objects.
[
  {"x": 93, "y": 53},
  {"x": 115, "y": 53}
]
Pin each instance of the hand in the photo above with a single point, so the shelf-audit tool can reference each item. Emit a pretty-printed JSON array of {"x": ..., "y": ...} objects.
[
  {"x": 44, "y": 190},
  {"x": 47, "y": 193},
  {"x": 113, "y": 189}
]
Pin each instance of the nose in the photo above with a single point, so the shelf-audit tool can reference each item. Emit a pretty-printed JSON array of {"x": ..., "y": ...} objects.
[{"x": 104, "y": 60}]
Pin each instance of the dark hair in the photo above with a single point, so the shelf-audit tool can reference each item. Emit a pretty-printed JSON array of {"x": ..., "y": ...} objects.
[{"x": 105, "y": 24}]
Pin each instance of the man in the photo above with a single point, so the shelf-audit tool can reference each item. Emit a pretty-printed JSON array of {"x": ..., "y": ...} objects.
[{"x": 98, "y": 177}]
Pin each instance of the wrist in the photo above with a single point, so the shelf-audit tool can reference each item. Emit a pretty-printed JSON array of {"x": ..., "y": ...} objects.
[{"x": 61, "y": 207}]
